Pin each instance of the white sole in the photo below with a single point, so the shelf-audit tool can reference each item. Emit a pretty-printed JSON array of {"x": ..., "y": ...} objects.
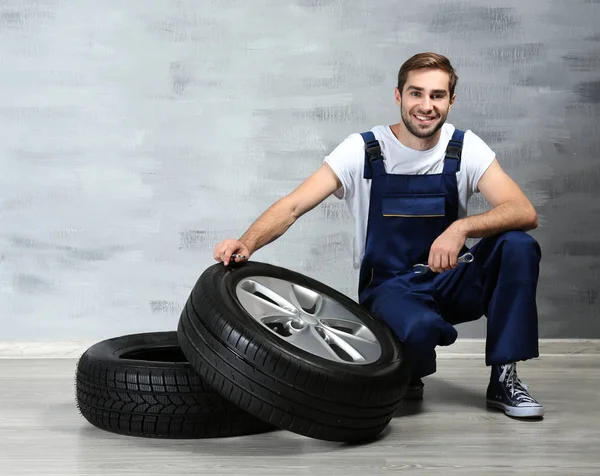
[{"x": 518, "y": 412}]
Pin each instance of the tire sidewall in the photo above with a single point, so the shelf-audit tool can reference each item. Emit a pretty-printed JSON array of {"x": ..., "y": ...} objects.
[{"x": 112, "y": 350}]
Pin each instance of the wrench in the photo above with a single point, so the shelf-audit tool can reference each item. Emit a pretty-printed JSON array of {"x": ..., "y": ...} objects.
[
  {"x": 233, "y": 256},
  {"x": 421, "y": 268}
]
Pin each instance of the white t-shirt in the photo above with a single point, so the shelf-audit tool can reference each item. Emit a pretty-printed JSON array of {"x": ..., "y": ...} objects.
[{"x": 348, "y": 159}]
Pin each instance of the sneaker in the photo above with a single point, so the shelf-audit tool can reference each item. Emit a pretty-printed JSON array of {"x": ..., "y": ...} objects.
[
  {"x": 414, "y": 390},
  {"x": 506, "y": 392}
]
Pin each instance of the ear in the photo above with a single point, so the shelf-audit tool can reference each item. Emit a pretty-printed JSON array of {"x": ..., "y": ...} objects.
[
  {"x": 398, "y": 96},
  {"x": 452, "y": 101}
]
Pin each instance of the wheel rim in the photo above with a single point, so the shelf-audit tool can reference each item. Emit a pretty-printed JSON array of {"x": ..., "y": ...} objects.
[{"x": 308, "y": 320}]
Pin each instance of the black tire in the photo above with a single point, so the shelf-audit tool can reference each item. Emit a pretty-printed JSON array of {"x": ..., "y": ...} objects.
[
  {"x": 277, "y": 382},
  {"x": 142, "y": 385}
]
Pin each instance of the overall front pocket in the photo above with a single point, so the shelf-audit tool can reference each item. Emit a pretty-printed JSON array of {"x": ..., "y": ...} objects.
[{"x": 414, "y": 205}]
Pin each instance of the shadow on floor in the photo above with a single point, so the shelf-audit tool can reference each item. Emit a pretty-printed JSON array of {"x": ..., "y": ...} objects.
[{"x": 442, "y": 391}]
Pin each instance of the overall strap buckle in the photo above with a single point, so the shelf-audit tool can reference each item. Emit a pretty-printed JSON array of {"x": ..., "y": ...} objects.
[
  {"x": 372, "y": 152},
  {"x": 454, "y": 152}
]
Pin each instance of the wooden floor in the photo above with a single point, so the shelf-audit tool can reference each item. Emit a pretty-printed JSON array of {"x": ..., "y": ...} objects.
[{"x": 450, "y": 433}]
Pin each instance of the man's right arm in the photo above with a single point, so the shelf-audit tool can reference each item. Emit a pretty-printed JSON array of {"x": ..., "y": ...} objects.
[{"x": 278, "y": 218}]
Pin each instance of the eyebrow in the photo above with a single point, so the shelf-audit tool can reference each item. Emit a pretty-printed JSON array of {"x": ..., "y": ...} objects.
[{"x": 435, "y": 91}]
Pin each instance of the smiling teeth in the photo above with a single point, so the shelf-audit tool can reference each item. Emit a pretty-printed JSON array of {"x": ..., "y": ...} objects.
[{"x": 424, "y": 118}]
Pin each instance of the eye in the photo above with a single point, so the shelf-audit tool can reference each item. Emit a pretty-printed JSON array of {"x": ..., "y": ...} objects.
[{"x": 414, "y": 93}]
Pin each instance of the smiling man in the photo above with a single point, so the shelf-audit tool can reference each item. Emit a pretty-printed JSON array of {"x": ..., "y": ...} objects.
[{"x": 407, "y": 186}]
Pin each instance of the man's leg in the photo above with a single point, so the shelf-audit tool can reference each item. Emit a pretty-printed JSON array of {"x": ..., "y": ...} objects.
[
  {"x": 501, "y": 283},
  {"x": 415, "y": 318}
]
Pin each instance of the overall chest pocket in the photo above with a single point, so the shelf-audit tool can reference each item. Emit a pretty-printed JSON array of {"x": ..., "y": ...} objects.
[{"x": 414, "y": 205}]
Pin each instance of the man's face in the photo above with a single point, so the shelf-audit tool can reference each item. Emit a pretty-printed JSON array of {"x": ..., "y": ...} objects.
[{"x": 425, "y": 101}]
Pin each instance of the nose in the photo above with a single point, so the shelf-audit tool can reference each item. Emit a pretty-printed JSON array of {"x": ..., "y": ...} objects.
[{"x": 426, "y": 103}]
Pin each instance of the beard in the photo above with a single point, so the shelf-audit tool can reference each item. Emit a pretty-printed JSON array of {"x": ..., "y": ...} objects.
[{"x": 419, "y": 131}]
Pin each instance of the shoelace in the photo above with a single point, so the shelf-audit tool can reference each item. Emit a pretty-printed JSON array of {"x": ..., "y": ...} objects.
[{"x": 518, "y": 389}]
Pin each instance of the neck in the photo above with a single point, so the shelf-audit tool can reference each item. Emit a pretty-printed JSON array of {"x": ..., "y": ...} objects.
[{"x": 409, "y": 140}]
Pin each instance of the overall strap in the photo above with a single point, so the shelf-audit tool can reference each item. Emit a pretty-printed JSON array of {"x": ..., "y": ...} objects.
[
  {"x": 372, "y": 152},
  {"x": 454, "y": 152}
]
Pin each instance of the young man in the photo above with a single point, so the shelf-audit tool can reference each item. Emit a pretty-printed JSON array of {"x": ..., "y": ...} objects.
[{"x": 407, "y": 186}]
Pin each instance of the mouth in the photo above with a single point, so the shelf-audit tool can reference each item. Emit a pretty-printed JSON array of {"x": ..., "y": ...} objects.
[{"x": 425, "y": 120}]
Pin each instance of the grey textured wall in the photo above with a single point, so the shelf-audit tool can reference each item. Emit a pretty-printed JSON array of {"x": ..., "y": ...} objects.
[{"x": 136, "y": 135}]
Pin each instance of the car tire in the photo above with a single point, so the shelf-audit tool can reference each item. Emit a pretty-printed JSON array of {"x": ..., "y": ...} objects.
[
  {"x": 142, "y": 385},
  {"x": 322, "y": 394}
]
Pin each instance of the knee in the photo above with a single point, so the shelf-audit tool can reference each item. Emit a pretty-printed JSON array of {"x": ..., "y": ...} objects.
[
  {"x": 519, "y": 242},
  {"x": 422, "y": 333},
  {"x": 516, "y": 237},
  {"x": 413, "y": 327}
]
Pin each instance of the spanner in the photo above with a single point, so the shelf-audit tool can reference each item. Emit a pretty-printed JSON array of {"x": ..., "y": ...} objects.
[
  {"x": 420, "y": 268},
  {"x": 233, "y": 257}
]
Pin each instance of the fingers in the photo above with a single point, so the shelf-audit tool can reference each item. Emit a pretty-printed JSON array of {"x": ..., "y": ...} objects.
[
  {"x": 435, "y": 262},
  {"x": 453, "y": 263},
  {"x": 224, "y": 250},
  {"x": 440, "y": 262},
  {"x": 443, "y": 254},
  {"x": 228, "y": 250},
  {"x": 445, "y": 265}
]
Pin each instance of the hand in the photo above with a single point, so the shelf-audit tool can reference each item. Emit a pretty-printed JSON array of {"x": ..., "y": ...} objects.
[
  {"x": 443, "y": 254},
  {"x": 226, "y": 248}
]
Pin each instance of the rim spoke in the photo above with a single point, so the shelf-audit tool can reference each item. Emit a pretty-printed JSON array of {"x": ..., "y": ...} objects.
[
  {"x": 277, "y": 319},
  {"x": 357, "y": 347},
  {"x": 350, "y": 328},
  {"x": 311, "y": 341},
  {"x": 331, "y": 309},
  {"x": 260, "y": 308},
  {"x": 309, "y": 301},
  {"x": 283, "y": 289}
]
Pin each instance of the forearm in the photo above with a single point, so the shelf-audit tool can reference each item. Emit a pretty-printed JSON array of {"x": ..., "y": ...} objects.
[
  {"x": 273, "y": 223},
  {"x": 505, "y": 217}
]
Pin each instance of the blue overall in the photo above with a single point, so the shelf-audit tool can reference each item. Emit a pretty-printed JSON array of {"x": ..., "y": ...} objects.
[{"x": 406, "y": 214}]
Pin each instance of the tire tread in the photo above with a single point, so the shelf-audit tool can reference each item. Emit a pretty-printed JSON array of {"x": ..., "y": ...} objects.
[{"x": 156, "y": 402}]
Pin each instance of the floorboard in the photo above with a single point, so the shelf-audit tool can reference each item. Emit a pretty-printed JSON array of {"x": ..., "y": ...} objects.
[{"x": 449, "y": 433}]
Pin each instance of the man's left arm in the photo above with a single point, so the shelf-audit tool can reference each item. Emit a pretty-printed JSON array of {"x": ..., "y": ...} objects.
[{"x": 511, "y": 209}]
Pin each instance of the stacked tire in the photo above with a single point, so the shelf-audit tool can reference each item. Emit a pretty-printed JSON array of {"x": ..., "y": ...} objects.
[
  {"x": 258, "y": 348},
  {"x": 143, "y": 385}
]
